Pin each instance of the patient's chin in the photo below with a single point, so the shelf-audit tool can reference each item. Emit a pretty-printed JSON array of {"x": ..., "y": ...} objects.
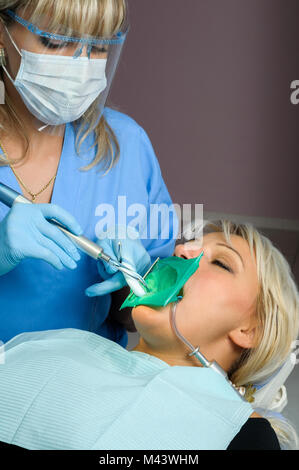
[
  {"x": 146, "y": 313},
  {"x": 147, "y": 308}
]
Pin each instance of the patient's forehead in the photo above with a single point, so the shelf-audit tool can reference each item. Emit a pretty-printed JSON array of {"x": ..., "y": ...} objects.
[
  {"x": 213, "y": 239},
  {"x": 217, "y": 237}
]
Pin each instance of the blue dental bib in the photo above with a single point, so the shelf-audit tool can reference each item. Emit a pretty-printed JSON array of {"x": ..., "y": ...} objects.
[{"x": 71, "y": 389}]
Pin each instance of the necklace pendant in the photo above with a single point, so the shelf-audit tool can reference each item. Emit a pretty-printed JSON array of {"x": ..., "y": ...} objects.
[{"x": 33, "y": 197}]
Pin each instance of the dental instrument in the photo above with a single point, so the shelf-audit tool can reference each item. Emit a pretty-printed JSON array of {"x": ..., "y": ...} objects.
[
  {"x": 165, "y": 280},
  {"x": 139, "y": 288},
  {"x": 8, "y": 197}
]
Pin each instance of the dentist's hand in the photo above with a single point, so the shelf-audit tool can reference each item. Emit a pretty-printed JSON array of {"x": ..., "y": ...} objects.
[
  {"x": 132, "y": 253},
  {"x": 26, "y": 233}
]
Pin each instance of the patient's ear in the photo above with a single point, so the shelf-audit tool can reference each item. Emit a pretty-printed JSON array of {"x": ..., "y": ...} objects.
[{"x": 244, "y": 336}]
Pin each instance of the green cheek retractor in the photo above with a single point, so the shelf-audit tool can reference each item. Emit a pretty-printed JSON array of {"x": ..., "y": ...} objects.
[{"x": 165, "y": 281}]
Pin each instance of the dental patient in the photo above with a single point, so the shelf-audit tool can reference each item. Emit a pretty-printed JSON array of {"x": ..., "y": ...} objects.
[{"x": 71, "y": 389}]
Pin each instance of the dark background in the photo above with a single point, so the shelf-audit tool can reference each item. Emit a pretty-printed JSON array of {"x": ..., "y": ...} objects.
[{"x": 210, "y": 83}]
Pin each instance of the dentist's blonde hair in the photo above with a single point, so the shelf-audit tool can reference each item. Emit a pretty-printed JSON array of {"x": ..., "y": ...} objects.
[
  {"x": 93, "y": 17},
  {"x": 277, "y": 311}
]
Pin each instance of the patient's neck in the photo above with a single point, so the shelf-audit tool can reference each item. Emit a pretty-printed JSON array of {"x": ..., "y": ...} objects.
[
  {"x": 177, "y": 354},
  {"x": 171, "y": 357}
]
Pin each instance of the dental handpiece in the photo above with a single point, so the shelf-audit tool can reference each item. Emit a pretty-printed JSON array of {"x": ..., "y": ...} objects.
[{"x": 8, "y": 197}]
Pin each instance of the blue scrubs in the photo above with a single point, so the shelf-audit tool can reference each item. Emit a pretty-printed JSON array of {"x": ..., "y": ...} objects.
[{"x": 35, "y": 296}]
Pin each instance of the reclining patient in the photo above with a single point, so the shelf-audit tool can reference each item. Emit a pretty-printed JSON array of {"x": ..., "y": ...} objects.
[{"x": 71, "y": 389}]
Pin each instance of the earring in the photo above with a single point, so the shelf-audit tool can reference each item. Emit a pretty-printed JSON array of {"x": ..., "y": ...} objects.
[{"x": 2, "y": 57}]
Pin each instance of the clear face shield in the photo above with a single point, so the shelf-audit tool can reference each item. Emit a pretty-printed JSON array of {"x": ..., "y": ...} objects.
[{"x": 60, "y": 73}]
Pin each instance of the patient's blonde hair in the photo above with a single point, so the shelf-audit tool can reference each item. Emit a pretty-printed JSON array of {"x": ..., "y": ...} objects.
[
  {"x": 277, "y": 310},
  {"x": 93, "y": 17}
]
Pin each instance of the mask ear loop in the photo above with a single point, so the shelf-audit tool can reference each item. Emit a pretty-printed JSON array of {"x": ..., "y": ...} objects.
[
  {"x": 16, "y": 47},
  {"x": 12, "y": 39}
]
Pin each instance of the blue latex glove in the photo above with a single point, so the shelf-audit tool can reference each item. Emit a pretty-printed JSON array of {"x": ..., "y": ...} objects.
[
  {"x": 25, "y": 233},
  {"x": 132, "y": 252}
]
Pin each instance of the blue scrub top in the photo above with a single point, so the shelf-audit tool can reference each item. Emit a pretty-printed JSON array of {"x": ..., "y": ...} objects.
[{"x": 35, "y": 296}]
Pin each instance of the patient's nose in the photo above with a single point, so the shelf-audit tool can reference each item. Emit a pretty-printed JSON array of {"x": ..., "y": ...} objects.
[{"x": 186, "y": 251}]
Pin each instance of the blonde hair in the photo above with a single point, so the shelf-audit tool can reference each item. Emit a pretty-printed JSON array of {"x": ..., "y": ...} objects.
[
  {"x": 94, "y": 17},
  {"x": 277, "y": 310}
]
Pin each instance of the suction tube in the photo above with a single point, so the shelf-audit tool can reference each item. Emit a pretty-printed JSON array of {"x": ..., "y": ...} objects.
[
  {"x": 202, "y": 359},
  {"x": 194, "y": 351}
]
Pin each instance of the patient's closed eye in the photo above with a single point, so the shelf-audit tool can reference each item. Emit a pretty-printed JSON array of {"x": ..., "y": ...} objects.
[{"x": 222, "y": 265}]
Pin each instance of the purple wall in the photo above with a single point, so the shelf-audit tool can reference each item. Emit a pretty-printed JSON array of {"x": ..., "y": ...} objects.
[{"x": 210, "y": 83}]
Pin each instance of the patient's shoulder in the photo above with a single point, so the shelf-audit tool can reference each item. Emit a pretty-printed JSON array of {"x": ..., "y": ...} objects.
[{"x": 255, "y": 434}]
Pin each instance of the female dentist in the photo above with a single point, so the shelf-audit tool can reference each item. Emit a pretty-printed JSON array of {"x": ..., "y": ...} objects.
[{"x": 76, "y": 160}]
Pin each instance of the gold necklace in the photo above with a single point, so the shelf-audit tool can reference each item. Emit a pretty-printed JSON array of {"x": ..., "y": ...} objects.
[{"x": 33, "y": 196}]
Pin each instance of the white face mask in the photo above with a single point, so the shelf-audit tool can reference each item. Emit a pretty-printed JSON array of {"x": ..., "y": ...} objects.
[{"x": 58, "y": 89}]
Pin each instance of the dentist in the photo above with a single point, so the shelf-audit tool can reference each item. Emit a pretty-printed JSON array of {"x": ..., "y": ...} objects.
[{"x": 76, "y": 160}]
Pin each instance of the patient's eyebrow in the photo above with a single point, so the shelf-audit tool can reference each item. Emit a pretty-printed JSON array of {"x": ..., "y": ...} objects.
[{"x": 231, "y": 248}]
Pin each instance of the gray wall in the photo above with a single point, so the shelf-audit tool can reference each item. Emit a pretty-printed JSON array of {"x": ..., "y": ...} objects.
[{"x": 210, "y": 83}]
